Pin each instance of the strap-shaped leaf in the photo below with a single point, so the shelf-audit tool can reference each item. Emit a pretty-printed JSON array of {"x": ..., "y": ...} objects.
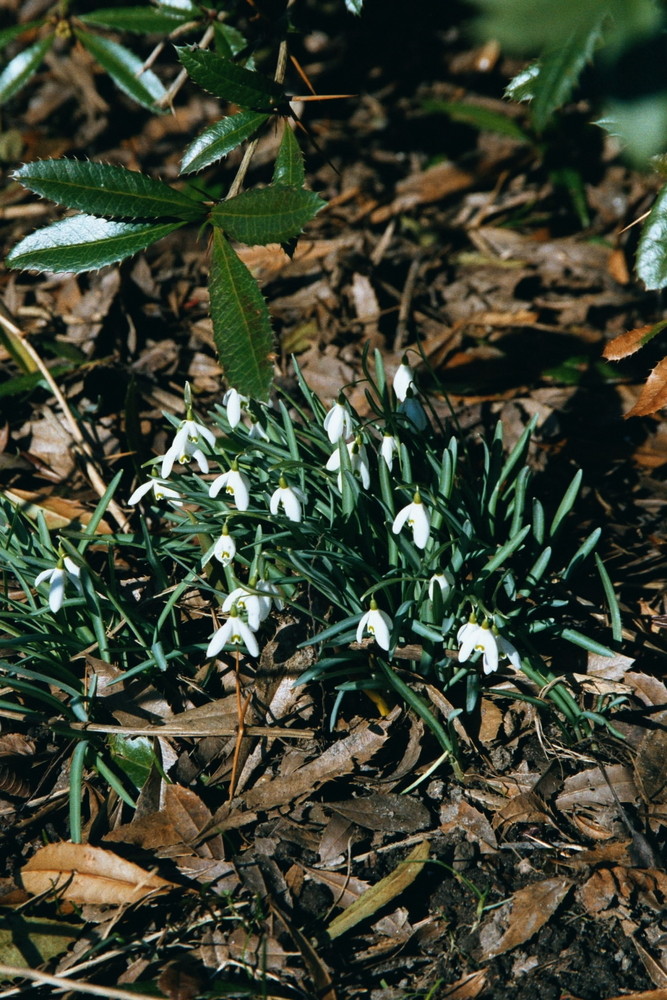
[
  {"x": 142, "y": 20},
  {"x": 126, "y": 70},
  {"x": 241, "y": 323},
  {"x": 218, "y": 140},
  {"x": 19, "y": 70},
  {"x": 105, "y": 189},
  {"x": 84, "y": 243},
  {"x": 289, "y": 169},
  {"x": 270, "y": 215},
  {"x": 652, "y": 249},
  {"x": 229, "y": 82}
]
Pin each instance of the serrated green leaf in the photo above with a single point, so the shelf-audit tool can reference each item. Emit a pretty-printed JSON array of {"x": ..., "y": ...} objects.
[
  {"x": 85, "y": 243},
  {"x": 126, "y": 70},
  {"x": 105, "y": 189},
  {"x": 269, "y": 215},
  {"x": 478, "y": 116},
  {"x": 289, "y": 169},
  {"x": 229, "y": 82},
  {"x": 8, "y": 35},
  {"x": 134, "y": 755},
  {"x": 229, "y": 40},
  {"x": 142, "y": 20},
  {"x": 560, "y": 68},
  {"x": 241, "y": 323},
  {"x": 218, "y": 140},
  {"x": 19, "y": 70},
  {"x": 522, "y": 86},
  {"x": 652, "y": 249}
]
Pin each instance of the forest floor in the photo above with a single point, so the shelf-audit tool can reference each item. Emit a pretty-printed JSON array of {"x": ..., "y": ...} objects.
[{"x": 508, "y": 259}]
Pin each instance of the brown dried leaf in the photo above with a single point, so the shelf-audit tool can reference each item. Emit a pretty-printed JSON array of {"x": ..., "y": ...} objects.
[
  {"x": 385, "y": 811},
  {"x": 589, "y": 788},
  {"x": 629, "y": 342},
  {"x": 58, "y": 512},
  {"x": 650, "y": 772},
  {"x": 462, "y": 816},
  {"x": 85, "y": 874},
  {"x": 653, "y": 395},
  {"x": 648, "y": 689},
  {"x": 466, "y": 988},
  {"x": 346, "y": 888},
  {"x": 522, "y": 916}
]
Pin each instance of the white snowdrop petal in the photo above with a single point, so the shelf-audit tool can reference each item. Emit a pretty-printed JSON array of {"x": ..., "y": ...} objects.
[
  {"x": 57, "y": 589},
  {"x": 140, "y": 492}
]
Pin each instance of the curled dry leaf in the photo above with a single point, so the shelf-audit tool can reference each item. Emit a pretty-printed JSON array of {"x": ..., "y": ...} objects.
[
  {"x": 654, "y": 394},
  {"x": 84, "y": 874},
  {"x": 521, "y": 916},
  {"x": 630, "y": 341}
]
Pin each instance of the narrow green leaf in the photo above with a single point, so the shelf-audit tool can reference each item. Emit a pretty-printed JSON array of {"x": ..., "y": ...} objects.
[
  {"x": 566, "y": 503},
  {"x": 126, "y": 70},
  {"x": 104, "y": 189},
  {"x": 219, "y": 139},
  {"x": 19, "y": 70},
  {"x": 478, "y": 117},
  {"x": 229, "y": 82},
  {"x": 612, "y": 600},
  {"x": 289, "y": 169},
  {"x": 560, "y": 68},
  {"x": 579, "y": 639},
  {"x": 268, "y": 215},
  {"x": 652, "y": 249},
  {"x": 84, "y": 243},
  {"x": 8, "y": 35},
  {"x": 241, "y": 323},
  {"x": 142, "y": 20},
  {"x": 507, "y": 549}
]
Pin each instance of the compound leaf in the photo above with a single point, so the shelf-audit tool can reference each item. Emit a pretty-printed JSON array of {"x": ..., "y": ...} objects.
[
  {"x": 241, "y": 323},
  {"x": 19, "y": 69},
  {"x": 270, "y": 215},
  {"x": 289, "y": 169},
  {"x": 230, "y": 82},
  {"x": 218, "y": 140},
  {"x": 84, "y": 243},
  {"x": 652, "y": 249},
  {"x": 126, "y": 70},
  {"x": 105, "y": 189}
]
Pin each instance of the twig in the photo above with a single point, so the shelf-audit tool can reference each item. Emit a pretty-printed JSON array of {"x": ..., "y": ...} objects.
[
  {"x": 60, "y": 982},
  {"x": 406, "y": 302},
  {"x": 168, "y": 98}
]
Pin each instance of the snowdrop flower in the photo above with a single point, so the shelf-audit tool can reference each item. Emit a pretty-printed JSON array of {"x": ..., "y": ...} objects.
[
  {"x": 235, "y": 484},
  {"x": 225, "y": 547},
  {"x": 404, "y": 379},
  {"x": 444, "y": 582},
  {"x": 256, "y": 606},
  {"x": 338, "y": 422},
  {"x": 415, "y": 413},
  {"x": 389, "y": 448},
  {"x": 187, "y": 444},
  {"x": 506, "y": 649},
  {"x": 289, "y": 498},
  {"x": 274, "y": 593},
  {"x": 257, "y": 432},
  {"x": 234, "y": 632},
  {"x": 473, "y": 636},
  {"x": 378, "y": 624},
  {"x": 64, "y": 572},
  {"x": 161, "y": 491},
  {"x": 235, "y": 403},
  {"x": 417, "y": 517},
  {"x": 358, "y": 460}
]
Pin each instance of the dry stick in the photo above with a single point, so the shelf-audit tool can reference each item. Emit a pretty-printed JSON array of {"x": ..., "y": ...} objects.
[
  {"x": 241, "y": 710},
  {"x": 42, "y": 979},
  {"x": 406, "y": 302},
  {"x": 82, "y": 447},
  {"x": 168, "y": 98}
]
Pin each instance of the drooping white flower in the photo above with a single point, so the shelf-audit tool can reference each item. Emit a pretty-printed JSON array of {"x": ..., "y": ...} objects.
[
  {"x": 161, "y": 491},
  {"x": 358, "y": 460},
  {"x": 289, "y": 498},
  {"x": 416, "y": 516},
  {"x": 389, "y": 448},
  {"x": 378, "y": 624},
  {"x": 273, "y": 593},
  {"x": 338, "y": 422},
  {"x": 404, "y": 379},
  {"x": 256, "y": 431},
  {"x": 224, "y": 549},
  {"x": 256, "y": 606},
  {"x": 443, "y": 581},
  {"x": 235, "y": 404},
  {"x": 472, "y": 636},
  {"x": 506, "y": 649},
  {"x": 235, "y": 484},
  {"x": 188, "y": 443},
  {"x": 64, "y": 572},
  {"x": 234, "y": 632}
]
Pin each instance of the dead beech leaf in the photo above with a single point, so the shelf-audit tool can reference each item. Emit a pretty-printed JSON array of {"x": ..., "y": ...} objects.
[
  {"x": 386, "y": 811},
  {"x": 85, "y": 874},
  {"x": 346, "y": 888},
  {"x": 467, "y": 987},
  {"x": 522, "y": 916},
  {"x": 589, "y": 789},
  {"x": 629, "y": 342},
  {"x": 382, "y": 892},
  {"x": 650, "y": 773},
  {"x": 653, "y": 395},
  {"x": 58, "y": 512}
]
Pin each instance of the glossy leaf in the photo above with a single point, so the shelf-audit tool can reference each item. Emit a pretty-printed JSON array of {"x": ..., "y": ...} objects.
[
  {"x": 289, "y": 169},
  {"x": 652, "y": 249},
  {"x": 84, "y": 243},
  {"x": 218, "y": 140},
  {"x": 19, "y": 70},
  {"x": 269, "y": 215},
  {"x": 230, "y": 82},
  {"x": 126, "y": 70},
  {"x": 142, "y": 20},
  {"x": 241, "y": 323},
  {"x": 105, "y": 189},
  {"x": 560, "y": 68},
  {"x": 230, "y": 41}
]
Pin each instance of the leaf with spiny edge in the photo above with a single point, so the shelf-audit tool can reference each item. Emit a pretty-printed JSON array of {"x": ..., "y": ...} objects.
[
  {"x": 273, "y": 214},
  {"x": 126, "y": 70},
  {"x": 219, "y": 139},
  {"x": 19, "y": 70},
  {"x": 230, "y": 82},
  {"x": 288, "y": 169}
]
